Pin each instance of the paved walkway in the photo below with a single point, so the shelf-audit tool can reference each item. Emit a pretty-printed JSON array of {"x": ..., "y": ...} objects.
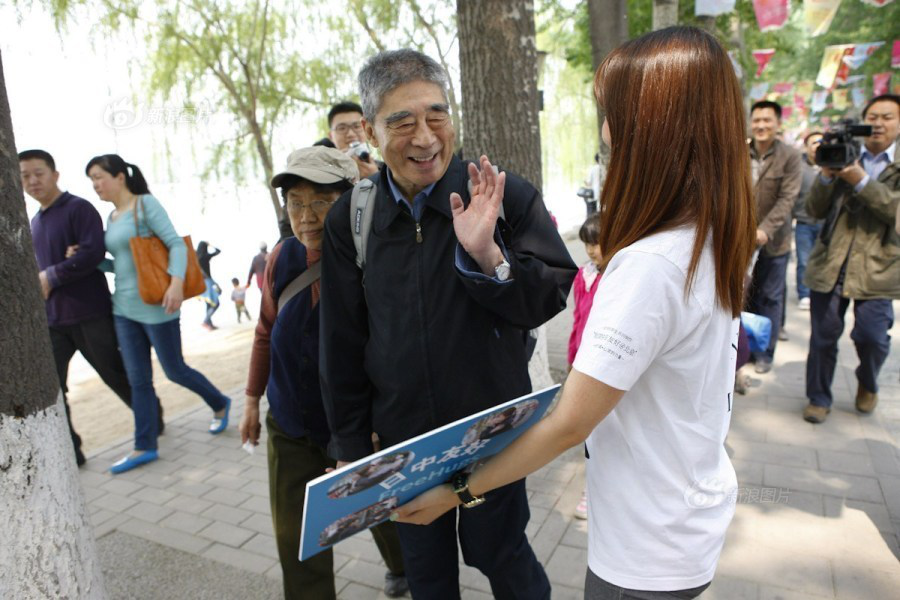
[{"x": 819, "y": 511}]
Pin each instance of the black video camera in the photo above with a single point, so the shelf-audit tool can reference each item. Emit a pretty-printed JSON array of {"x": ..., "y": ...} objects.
[{"x": 839, "y": 148}]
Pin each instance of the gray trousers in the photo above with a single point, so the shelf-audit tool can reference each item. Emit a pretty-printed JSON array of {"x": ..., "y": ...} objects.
[{"x": 598, "y": 589}]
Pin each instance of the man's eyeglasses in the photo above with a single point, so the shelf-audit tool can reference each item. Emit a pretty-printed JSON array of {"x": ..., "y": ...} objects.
[
  {"x": 343, "y": 128},
  {"x": 317, "y": 206}
]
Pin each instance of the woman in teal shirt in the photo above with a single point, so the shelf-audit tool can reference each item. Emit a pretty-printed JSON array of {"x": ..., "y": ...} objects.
[{"x": 139, "y": 325}]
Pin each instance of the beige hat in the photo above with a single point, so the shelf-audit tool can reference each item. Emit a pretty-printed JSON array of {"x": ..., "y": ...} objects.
[{"x": 318, "y": 164}]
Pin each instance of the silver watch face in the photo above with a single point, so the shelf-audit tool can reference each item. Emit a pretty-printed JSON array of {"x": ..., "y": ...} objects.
[{"x": 502, "y": 271}]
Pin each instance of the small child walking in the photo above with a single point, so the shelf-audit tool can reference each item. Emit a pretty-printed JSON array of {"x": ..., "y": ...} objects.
[
  {"x": 583, "y": 288},
  {"x": 238, "y": 296}
]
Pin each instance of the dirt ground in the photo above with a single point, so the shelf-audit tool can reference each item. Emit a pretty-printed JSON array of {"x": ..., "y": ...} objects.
[{"x": 101, "y": 418}]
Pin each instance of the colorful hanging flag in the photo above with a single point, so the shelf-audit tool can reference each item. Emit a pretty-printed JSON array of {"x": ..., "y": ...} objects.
[
  {"x": 758, "y": 91},
  {"x": 818, "y": 15},
  {"x": 713, "y": 8},
  {"x": 859, "y": 97},
  {"x": 895, "y": 55},
  {"x": 787, "y": 111},
  {"x": 832, "y": 60},
  {"x": 878, "y": 3},
  {"x": 880, "y": 83},
  {"x": 861, "y": 52},
  {"x": 804, "y": 89},
  {"x": 799, "y": 101},
  {"x": 762, "y": 58},
  {"x": 771, "y": 14},
  {"x": 819, "y": 98},
  {"x": 839, "y": 97},
  {"x": 783, "y": 88}
]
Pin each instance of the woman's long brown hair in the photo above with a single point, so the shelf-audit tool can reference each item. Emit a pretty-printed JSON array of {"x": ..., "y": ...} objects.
[{"x": 678, "y": 151}]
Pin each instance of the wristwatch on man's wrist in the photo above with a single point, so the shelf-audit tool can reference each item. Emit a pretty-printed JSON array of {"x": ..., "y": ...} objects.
[
  {"x": 460, "y": 484},
  {"x": 502, "y": 271}
]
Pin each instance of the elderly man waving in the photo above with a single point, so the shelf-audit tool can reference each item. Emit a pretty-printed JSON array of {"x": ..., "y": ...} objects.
[{"x": 430, "y": 329}]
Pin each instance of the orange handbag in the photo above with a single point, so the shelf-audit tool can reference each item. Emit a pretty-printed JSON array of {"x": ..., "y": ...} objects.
[{"x": 151, "y": 261}]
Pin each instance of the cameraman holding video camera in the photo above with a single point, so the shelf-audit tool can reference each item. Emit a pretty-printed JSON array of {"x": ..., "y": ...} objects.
[{"x": 857, "y": 255}]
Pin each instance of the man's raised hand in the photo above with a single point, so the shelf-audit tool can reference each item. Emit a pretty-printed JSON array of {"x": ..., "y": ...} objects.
[{"x": 474, "y": 225}]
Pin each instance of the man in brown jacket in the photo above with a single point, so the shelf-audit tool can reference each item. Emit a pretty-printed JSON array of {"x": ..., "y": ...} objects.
[
  {"x": 857, "y": 256},
  {"x": 777, "y": 175}
]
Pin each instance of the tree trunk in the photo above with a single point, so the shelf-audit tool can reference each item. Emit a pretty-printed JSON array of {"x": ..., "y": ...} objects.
[
  {"x": 608, "y": 21},
  {"x": 497, "y": 58},
  {"x": 665, "y": 13},
  {"x": 47, "y": 548}
]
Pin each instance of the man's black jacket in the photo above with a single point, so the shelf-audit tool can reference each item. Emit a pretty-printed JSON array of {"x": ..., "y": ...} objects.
[{"x": 421, "y": 345}]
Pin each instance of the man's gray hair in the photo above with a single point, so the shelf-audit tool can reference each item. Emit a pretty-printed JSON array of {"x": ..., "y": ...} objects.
[{"x": 392, "y": 68}]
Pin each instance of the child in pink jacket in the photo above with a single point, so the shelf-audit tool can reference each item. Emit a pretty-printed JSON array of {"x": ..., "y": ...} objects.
[{"x": 585, "y": 285}]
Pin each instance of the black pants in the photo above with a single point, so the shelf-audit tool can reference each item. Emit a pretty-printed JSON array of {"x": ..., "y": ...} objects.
[
  {"x": 293, "y": 462},
  {"x": 492, "y": 538},
  {"x": 873, "y": 320},
  {"x": 767, "y": 296},
  {"x": 96, "y": 340}
]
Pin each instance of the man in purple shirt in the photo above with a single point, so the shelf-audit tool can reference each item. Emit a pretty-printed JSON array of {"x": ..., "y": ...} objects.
[{"x": 79, "y": 309}]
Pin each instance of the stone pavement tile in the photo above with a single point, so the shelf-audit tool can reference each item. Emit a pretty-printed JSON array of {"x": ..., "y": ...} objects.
[
  {"x": 110, "y": 525},
  {"x": 750, "y": 425},
  {"x": 190, "y": 488},
  {"x": 226, "y": 497},
  {"x": 239, "y": 558},
  {"x": 156, "y": 496},
  {"x": 276, "y": 573},
  {"x": 234, "y": 456},
  {"x": 576, "y": 535},
  {"x": 776, "y": 454},
  {"x": 92, "y": 493},
  {"x": 227, "y": 467},
  {"x": 876, "y": 511},
  {"x": 562, "y": 592},
  {"x": 542, "y": 500},
  {"x": 256, "y": 487},
  {"x": 114, "y": 502},
  {"x": 195, "y": 460},
  {"x": 227, "y": 514},
  {"x": 890, "y": 485},
  {"x": 546, "y": 486},
  {"x": 258, "y": 504},
  {"x": 752, "y": 562},
  {"x": 364, "y": 573},
  {"x": 567, "y": 566},
  {"x": 844, "y": 462},
  {"x": 884, "y": 456},
  {"x": 196, "y": 474},
  {"x": 163, "y": 535},
  {"x": 358, "y": 591},
  {"x": 262, "y": 544},
  {"x": 548, "y": 536},
  {"x": 834, "y": 484},
  {"x": 470, "y": 594},
  {"x": 157, "y": 480},
  {"x": 729, "y": 588},
  {"x": 197, "y": 447},
  {"x": 854, "y": 581},
  {"x": 224, "y": 480},
  {"x": 90, "y": 479},
  {"x": 189, "y": 504},
  {"x": 164, "y": 466},
  {"x": 152, "y": 513},
  {"x": 472, "y": 578},
  {"x": 226, "y": 533},
  {"x": 362, "y": 547},
  {"x": 748, "y": 473},
  {"x": 772, "y": 592},
  {"x": 257, "y": 459},
  {"x": 259, "y": 523},
  {"x": 120, "y": 486},
  {"x": 186, "y": 522}
]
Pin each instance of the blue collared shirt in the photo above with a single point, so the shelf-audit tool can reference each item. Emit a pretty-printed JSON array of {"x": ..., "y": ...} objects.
[
  {"x": 465, "y": 264},
  {"x": 873, "y": 165}
]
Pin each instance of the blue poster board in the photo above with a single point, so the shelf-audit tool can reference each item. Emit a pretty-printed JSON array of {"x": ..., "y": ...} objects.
[{"x": 364, "y": 493}]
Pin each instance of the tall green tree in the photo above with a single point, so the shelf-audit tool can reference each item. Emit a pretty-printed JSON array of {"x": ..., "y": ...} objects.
[{"x": 250, "y": 55}]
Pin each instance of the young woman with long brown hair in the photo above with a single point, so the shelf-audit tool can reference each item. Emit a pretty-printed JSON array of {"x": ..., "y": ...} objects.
[{"x": 650, "y": 391}]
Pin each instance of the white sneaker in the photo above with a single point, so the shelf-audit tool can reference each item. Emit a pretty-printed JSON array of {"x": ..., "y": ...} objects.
[{"x": 803, "y": 304}]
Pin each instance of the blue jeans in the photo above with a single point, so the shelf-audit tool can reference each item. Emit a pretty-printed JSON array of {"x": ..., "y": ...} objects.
[
  {"x": 804, "y": 238},
  {"x": 212, "y": 300},
  {"x": 874, "y": 318},
  {"x": 135, "y": 340},
  {"x": 767, "y": 296}
]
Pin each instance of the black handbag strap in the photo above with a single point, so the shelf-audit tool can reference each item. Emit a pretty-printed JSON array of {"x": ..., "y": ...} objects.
[{"x": 300, "y": 283}]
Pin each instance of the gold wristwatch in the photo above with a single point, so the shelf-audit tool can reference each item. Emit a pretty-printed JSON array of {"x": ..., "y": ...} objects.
[{"x": 460, "y": 484}]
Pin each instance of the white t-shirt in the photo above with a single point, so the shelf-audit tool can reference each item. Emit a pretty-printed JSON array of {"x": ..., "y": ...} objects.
[{"x": 661, "y": 488}]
